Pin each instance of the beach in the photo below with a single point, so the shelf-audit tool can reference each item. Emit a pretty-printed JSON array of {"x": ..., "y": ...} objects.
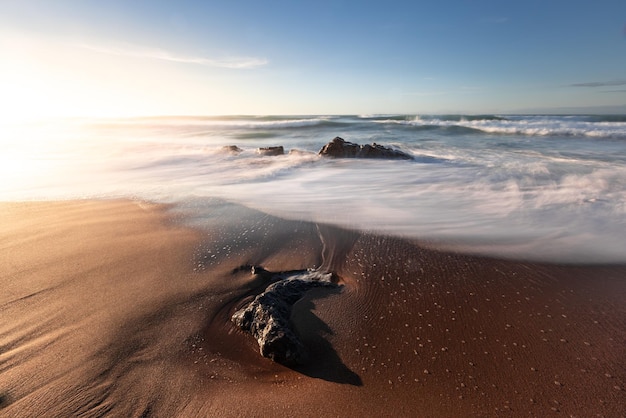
[
  {"x": 305, "y": 209},
  {"x": 122, "y": 308}
]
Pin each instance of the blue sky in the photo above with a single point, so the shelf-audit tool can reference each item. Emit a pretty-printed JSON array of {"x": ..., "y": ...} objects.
[{"x": 125, "y": 58}]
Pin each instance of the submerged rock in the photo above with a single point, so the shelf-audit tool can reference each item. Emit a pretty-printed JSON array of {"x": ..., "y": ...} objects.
[
  {"x": 271, "y": 151},
  {"x": 267, "y": 317},
  {"x": 299, "y": 152},
  {"x": 340, "y": 148},
  {"x": 233, "y": 149}
]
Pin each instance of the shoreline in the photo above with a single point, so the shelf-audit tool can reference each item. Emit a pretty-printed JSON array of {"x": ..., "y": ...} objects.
[{"x": 116, "y": 308}]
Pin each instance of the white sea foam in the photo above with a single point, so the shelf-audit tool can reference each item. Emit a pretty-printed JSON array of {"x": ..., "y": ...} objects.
[
  {"x": 524, "y": 125},
  {"x": 547, "y": 198}
]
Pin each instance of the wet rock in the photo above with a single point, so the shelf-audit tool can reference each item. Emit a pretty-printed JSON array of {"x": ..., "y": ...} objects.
[
  {"x": 232, "y": 149},
  {"x": 267, "y": 317},
  {"x": 271, "y": 151},
  {"x": 340, "y": 148}
]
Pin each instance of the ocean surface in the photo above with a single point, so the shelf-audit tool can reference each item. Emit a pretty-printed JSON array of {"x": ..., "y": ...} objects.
[{"x": 550, "y": 188}]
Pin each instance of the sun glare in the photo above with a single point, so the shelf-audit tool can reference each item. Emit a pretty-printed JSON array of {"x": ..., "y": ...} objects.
[
  {"x": 45, "y": 79},
  {"x": 33, "y": 98}
]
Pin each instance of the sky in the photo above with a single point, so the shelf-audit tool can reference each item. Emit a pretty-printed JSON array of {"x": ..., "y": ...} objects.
[{"x": 141, "y": 58}]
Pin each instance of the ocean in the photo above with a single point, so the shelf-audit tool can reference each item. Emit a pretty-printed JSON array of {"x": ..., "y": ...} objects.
[{"x": 536, "y": 187}]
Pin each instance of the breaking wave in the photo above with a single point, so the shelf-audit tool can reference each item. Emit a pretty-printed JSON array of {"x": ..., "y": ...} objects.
[{"x": 585, "y": 126}]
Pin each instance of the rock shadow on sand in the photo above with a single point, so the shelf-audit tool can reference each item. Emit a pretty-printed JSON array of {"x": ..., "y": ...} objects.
[
  {"x": 4, "y": 400},
  {"x": 282, "y": 321},
  {"x": 323, "y": 360}
]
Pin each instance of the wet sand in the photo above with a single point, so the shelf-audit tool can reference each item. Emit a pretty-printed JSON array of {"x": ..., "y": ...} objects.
[{"x": 117, "y": 309}]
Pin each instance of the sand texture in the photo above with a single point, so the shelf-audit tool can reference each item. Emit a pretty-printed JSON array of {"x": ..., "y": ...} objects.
[{"x": 115, "y": 308}]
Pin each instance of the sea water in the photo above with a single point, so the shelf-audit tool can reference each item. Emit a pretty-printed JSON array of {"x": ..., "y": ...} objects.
[{"x": 535, "y": 187}]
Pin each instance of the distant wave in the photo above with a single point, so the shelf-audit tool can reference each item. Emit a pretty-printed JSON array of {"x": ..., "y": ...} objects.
[
  {"x": 464, "y": 118},
  {"x": 412, "y": 118},
  {"x": 272, "y": 123},
  {"x": 384, "y": 117},
  {"x": 244, "y": 122},
  {"x": 594, "y": 126},
  {"x": 605, "y": 118},
  {"x": 588, "y": 126}
]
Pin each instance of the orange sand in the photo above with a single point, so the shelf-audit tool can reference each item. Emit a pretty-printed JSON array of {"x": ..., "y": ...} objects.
[{"x": 111, "y": 309}]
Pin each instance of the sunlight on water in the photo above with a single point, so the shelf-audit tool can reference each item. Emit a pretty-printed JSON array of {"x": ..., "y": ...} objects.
[{"x": 24, "y": 158}]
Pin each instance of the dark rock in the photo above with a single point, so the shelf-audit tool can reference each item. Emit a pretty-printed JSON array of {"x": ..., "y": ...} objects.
[
  {"x": 233, "y": 149},
  {"x": 267, "y": 317},
  {"x": 340, "y": 148},
  {"x": 271, "y": 151}
]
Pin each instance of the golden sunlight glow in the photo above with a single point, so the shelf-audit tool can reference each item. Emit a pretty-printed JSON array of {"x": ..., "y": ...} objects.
[
  {"x": 19, "y": 165},
  {"x": 37, "y": 82},
  {"x": 47, "y": 78},
  {"x": 43, "y": 79},
  {"x": 32, "y": 94}
]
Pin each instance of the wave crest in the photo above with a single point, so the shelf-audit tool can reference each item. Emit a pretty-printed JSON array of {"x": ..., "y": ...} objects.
[{"x": 522, "y": 125}]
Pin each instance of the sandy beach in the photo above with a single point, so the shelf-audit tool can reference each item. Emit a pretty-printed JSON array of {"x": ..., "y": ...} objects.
[{"x": 118, "y": 308}]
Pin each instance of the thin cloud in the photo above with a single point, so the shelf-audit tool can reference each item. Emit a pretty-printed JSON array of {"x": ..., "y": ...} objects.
[
  {"x": 135, "y": 51},
  {"x": 600, "y": 84}
]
